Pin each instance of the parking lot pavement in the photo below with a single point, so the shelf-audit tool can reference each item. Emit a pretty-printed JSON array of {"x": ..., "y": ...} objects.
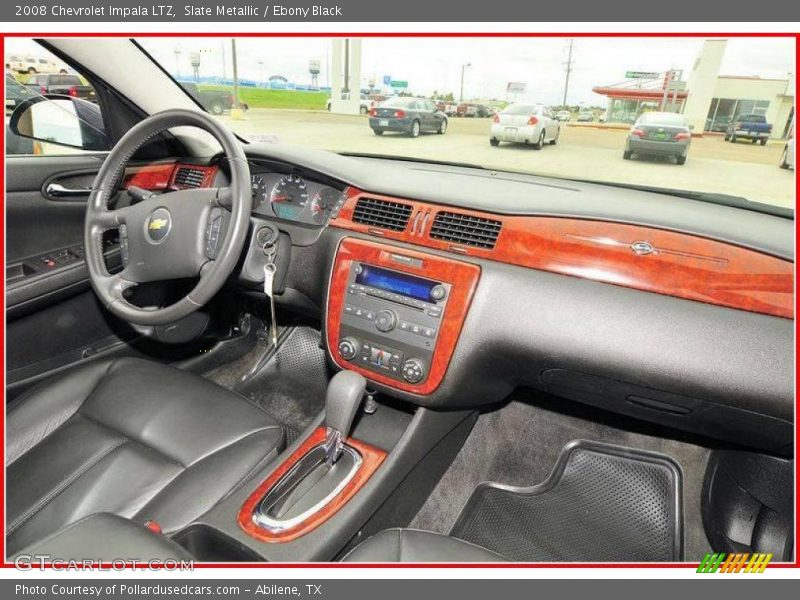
[{"x": 583, "y": 152}]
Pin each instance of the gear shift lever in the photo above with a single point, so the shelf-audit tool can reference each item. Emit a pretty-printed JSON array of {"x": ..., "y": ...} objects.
[{"x": 342, "y": 400}]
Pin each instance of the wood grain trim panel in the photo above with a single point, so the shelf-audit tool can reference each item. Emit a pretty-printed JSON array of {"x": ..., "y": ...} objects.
[
  {"x": 462, "y": 276},
  {"x": 155, "y": 177},
  {"x": 160, "y": 177},
  {"x": 371, "y": 459},
  {"x": 681, "y": 265}
]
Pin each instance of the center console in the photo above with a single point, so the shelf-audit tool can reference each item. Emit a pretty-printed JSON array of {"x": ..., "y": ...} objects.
[{"x": 394, "y": 315}]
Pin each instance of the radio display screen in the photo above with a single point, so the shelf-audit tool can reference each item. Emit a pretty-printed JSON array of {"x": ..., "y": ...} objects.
[{"x": 399, "y": 283}]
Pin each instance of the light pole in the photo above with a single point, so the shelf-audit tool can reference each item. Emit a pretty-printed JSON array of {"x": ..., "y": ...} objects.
[
  {"x": 177, "y": 62},
  {"x": 235, "y": 74},
  {"x": 463, "y": 68}
]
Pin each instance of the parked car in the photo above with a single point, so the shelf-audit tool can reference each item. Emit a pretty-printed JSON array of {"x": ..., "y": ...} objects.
[
  {"x": 16, "y": 93},
  {"x": 33, "y": 65},
  {"x": 364, "y": 105},
  {"x": 563, "y": 116},
  {"x": 787, "y": 159},
  {"x": 585, "y": 116},
  {"x": 525, "y": 124},
  {"x": 214, "y": 101},
  {"x": 659, "y": 134},
  {"x": 749, "y": 127},
  {"x": 451, "y": 110},
  {"x": 407, "y": 115},
  {"x": 68, "y": 85}
]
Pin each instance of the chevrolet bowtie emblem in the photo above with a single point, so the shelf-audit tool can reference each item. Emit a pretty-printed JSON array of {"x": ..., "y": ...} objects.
[{"x": 156, "y": 224}]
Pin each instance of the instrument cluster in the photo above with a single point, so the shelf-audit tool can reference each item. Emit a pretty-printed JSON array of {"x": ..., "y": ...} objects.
[{"x": 293, "y": 198}]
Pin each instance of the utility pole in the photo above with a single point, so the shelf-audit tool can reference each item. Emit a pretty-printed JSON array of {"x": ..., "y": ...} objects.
[
  {"x": 569, "y": 70},
  {"x": 463, "y": 68},
  {"x": 346, "y": 88},
  {"x": 235, "y": 74}
]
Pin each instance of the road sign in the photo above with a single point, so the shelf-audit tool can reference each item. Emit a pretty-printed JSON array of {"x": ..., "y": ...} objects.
[
  {"x": 641, "y": 75},
  {"x": 516, "y": 87},
  {"x": 399, "y": 84},
  {"x": 387, "y": 80}
]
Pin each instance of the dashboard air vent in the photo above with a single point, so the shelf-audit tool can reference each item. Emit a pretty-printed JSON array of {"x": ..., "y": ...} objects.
[
  {"x": 466, "y": 230},
  {"x": 188, "y": 177},
  {"x": 382, "y": 213}
]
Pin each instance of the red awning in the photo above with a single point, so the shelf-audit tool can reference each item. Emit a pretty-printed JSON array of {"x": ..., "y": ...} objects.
[{"x": 634, "y": 93}]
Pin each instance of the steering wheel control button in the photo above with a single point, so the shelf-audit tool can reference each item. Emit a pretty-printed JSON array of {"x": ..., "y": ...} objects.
[
  {"x": 348, "y": 348},
  {"x": 213, "y": 229},
  {"x": 385, "y": 320},
  {"x": 158, "y": 225},
  {"x": 438, "y": 292},
  {"x": 123, "y": 244},
  {"x": 413, "y": 370}
]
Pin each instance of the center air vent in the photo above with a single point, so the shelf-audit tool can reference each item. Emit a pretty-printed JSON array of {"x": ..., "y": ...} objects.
[
  {"x": 382, "y": 213},
  {"x": 188, "y": 177},
  {"x": 466, "y": 230}
]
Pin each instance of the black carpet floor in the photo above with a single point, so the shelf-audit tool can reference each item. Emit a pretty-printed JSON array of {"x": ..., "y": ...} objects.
[
  {"x": 519, "y": 443},
  {"x": 290, "y": 386}
]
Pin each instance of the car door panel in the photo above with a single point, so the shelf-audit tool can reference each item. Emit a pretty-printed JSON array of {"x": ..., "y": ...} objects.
[{"x": 53, "y": 317}]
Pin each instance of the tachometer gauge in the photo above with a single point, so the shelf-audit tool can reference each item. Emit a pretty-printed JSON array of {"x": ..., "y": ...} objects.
[
  {"x": 289, "y": 196},
  {"x": 323, "y": 202},
  {"x": 259, "y": 188}
]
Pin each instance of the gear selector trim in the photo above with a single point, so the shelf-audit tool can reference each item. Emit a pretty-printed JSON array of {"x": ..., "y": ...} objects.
[{"x": 253, "y": 517}]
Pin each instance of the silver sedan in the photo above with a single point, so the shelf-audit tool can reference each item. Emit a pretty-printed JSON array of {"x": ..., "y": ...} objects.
[
  {"x": 525, "y": 124},
  {"x": 659, "y": 134}
]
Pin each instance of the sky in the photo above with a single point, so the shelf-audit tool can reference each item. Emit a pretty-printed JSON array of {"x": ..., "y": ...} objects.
[{"x": 430, "y": 64}]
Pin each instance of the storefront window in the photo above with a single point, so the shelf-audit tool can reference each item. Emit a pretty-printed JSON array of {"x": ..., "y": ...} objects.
[{"x": 724, "y": 110}]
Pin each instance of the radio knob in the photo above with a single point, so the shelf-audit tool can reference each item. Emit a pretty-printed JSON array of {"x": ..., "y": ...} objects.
[
  {"x": 438, "y": 292},
  {"x": 413, "y": 370},
  {"x": 385, "y": 320},
  {"x": 348, "y": 348}
]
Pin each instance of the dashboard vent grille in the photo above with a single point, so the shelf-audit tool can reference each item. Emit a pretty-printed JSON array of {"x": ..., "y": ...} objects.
[
  {"x": 188, "y": 177},
  {"x": 464, "y": 229},
  {"x": 382, "y": 213}
]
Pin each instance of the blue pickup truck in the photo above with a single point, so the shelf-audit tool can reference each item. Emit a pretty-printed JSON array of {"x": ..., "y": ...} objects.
[{"x": 749, "y": 127}]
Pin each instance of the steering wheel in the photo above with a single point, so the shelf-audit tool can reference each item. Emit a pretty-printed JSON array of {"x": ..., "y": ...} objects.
[{"x": 168, "y": 236}]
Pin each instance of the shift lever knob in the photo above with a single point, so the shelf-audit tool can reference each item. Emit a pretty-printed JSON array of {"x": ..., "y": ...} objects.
[{"x": 342, "y": 400}]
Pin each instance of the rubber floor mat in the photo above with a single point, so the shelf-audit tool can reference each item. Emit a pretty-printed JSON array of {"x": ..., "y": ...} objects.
[
  {"x": 601, "y": 503},
  {"x": 291, "y": 386}
]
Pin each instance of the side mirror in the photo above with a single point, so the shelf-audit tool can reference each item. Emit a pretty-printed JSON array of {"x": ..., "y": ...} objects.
[{"x": 62, "y": 120}]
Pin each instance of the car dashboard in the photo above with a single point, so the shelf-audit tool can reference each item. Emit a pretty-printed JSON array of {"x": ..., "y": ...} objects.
[{"x": 451, "y": 304}]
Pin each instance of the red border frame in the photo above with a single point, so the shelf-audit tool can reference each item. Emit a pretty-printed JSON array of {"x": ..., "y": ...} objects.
[{"x": 697, "y": 34}]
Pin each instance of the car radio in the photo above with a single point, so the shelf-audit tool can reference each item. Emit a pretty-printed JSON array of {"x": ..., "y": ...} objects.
[{"x": 390, "y": 321}]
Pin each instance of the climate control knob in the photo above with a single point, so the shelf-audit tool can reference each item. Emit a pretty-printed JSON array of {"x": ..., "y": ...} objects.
[
  {"x": 413, "y": 370},
  {"x": 385, "y": 320},
  {"x": 348, "y": 348}
]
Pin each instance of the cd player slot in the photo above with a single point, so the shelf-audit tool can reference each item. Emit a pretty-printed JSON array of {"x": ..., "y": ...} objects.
[{"x": 394, "y": 301}]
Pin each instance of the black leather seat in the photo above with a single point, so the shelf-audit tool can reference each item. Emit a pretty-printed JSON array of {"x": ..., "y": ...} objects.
[
  {"x": 129, "y": 437},
  {"x": 413, "y": 545}
]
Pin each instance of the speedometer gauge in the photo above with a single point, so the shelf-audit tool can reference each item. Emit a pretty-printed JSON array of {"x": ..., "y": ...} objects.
[
  {"x": 323, "y": 202},
  {"x": 289, "y": 196}
]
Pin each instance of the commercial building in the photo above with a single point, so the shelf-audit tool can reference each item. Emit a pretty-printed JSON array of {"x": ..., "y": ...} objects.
[{"x": 709, "y": 100}]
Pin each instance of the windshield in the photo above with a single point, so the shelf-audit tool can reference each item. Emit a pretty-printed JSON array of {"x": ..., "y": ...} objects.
[{"x": 325, "y": 93}]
